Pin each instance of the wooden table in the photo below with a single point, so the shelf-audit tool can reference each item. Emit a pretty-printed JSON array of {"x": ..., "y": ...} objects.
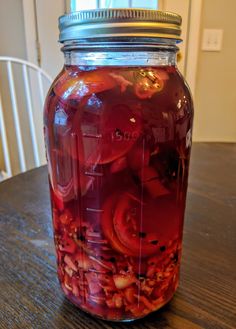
[{"x": 30, "y": 296}]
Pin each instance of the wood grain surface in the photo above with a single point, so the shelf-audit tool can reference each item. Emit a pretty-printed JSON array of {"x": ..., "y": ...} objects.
[{"x": 30, "y": 296}]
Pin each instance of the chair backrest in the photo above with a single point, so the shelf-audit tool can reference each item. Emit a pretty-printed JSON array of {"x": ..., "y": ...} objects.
[{"x": 40, "y": 77}]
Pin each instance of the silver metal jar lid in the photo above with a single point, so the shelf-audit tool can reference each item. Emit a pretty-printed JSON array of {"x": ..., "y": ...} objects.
[{"x": 118, "y": 23}]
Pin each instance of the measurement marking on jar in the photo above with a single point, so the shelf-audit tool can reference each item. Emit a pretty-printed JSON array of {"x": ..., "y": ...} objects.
[
  {"x": 88, "y": 173},
  {"x": 94, "y": 210},
  {"x": 92, "y": 135},
  {"x": 97, "y": 241}
]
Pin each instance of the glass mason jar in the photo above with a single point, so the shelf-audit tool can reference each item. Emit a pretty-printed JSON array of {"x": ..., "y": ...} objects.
[{"x": 118, "y": 121}]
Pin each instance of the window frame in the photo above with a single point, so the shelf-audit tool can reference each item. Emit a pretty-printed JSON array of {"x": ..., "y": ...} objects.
[{"x": 74, "y": 6}]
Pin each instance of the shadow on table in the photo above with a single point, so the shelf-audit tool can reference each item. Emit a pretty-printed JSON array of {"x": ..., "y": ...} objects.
[{"x": 70, "y": 316}]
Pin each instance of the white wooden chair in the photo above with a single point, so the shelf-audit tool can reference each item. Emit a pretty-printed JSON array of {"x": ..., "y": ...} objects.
[{"x": 40, "y": 79}]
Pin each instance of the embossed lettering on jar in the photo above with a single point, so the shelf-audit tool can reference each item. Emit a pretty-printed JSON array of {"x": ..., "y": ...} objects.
[{"x": 118, "y": 122}]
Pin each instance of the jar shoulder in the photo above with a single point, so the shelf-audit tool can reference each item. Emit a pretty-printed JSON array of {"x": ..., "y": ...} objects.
[{"x": 76, "y": 82}]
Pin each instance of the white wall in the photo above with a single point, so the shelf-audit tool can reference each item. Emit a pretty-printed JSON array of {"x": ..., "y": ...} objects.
[
  {"x": 12, "y": 36},
  {"x": 215, "y": 95},
  {"x": 12, "y": 32}
]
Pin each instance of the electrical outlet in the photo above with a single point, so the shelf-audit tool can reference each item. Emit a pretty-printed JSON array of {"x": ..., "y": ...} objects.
[{"x": 212, "y": 39}]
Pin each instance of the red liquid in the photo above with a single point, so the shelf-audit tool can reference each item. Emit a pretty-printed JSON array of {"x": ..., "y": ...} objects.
[{"x": 118, "y": 145}]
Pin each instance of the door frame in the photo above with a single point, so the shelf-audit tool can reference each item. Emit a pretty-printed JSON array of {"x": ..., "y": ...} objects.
[
  {"x": 193, "y": 43},
  {"x": 31, "y": 30},
  {"x": 192, "y": 47},
  {"x": 192, "y": 40}
]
